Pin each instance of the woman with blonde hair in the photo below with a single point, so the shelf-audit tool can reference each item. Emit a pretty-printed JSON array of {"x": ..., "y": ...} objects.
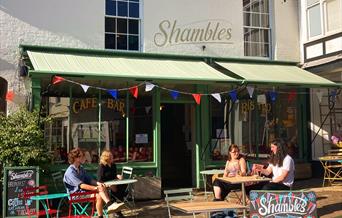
[{"x": 107, "y": 171}]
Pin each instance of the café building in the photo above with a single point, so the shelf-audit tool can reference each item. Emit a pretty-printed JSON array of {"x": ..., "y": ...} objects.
[{"x": 167, "y": 87}]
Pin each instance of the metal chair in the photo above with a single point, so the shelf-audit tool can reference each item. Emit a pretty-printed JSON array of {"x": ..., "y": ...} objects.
[
  {"x": 184, "y": 194},
  {"x": 57, "y": 178},
  {"x": 129, "y": 191},
  {"x": 82, "y": 198},
  {"x": 29, "y": 192}
]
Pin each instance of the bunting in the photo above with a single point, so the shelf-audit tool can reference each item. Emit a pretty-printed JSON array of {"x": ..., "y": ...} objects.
[
  {"x": 57, "y": 79},
  {"x": 233, "y": 94},
  {"x": 197, "y": 98},
  {"x": 134, "y": 91},
  {"x": 217, "y": 96}
]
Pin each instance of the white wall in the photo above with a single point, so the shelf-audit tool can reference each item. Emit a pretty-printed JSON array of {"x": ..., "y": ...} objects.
[
  {"x": 190, "y": 15},
  {"x": 75, "y": 23},
  {"x": 286, "y": 30}
]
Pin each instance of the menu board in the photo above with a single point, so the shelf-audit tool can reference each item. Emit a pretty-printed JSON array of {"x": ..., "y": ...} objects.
[
  {"x": 281, "y": 204},
  {"x": 15, "y": 179}
]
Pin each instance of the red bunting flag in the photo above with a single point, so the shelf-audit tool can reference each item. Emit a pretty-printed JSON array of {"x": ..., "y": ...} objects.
[
  {"x": 9, "y": 96},
  {"x": 57, "y": 79},
  {"x": 197, "y": 98},
  {"x": 134, "y": 91},
  {"x": 133, "y": 110},
  {"x": 292, "y": 95}
]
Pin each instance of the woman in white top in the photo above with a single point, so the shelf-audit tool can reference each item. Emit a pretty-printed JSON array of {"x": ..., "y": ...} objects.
[
  {"x": 235, "y": 166},
  {"x": 281, "y": 165}
]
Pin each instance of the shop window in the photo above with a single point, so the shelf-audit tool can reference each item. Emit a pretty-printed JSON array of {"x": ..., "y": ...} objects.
[
  {"x": 262, "y": 122},
  {"x": 220, "y": 134},
  {"x": 256, "y": 28},
  {"x": 141, "y": 129},
  {"x": 122, "y": 24}
]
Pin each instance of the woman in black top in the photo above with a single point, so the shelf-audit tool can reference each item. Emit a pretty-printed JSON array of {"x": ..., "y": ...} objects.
[{"x": 107, "y": 172}]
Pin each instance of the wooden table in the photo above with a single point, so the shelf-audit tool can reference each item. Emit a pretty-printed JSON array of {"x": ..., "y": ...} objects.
[
  {"x": 205, "y": 173},
  {"x": 205, "y": 206},
  {"x": 120, "y": 182},
  {"x": 243, "y": 180},
  {"x": 332, "y": 165}
]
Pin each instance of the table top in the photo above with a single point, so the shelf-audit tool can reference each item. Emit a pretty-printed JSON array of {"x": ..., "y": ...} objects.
[
  {"x": 331, "y": 158},
  {"x": 212, "y": 172},
  {"x": 49, "y": 196},
  {"x": 243, "y": 179},
  {"x": 207, "y": 206},
  {"x": 120, "y": 182}
]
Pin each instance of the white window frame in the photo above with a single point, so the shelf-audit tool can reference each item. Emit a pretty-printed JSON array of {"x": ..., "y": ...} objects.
[{"x": 323, "y": 18}]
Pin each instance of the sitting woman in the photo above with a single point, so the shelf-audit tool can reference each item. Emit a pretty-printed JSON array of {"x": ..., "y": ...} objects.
[
  {"x": 235, "y": 166},
  {"x": 281, "y": 165},
  {"x": 107, "y": 172}
]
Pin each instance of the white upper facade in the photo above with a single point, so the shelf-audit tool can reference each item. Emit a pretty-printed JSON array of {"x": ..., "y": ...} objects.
[{"x": 193, "y": 27}]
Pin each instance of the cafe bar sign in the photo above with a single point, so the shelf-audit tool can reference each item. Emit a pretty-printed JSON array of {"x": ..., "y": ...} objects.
[{"x": 281, "y": 204}]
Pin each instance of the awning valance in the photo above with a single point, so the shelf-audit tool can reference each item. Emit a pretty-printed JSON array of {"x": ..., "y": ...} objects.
[
  {"x": 139, "y": 68},
  {"x": 277, "y": 74}
]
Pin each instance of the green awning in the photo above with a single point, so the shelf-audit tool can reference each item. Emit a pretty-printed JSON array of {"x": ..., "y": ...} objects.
[
  {"x": 276, "y": 73},
  {"x": 115, "y": 66}
]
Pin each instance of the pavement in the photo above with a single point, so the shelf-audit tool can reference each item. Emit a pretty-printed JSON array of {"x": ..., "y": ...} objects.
[{"x": 329, "y": 201}]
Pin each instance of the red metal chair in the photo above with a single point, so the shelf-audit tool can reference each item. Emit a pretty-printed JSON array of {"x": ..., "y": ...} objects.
[
  {"x": 29, "y": 192},
  {"x": 78, "y": 198}
]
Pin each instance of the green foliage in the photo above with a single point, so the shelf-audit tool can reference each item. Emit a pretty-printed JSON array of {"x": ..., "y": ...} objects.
[{"x": 22, "y": 140}]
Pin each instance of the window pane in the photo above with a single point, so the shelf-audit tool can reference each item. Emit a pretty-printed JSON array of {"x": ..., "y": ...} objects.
[
  {"x": 133, "y": 26},
  {"x": 315, "y": 21},
  {"x": 122, "y": 42},
  {"x": 264, "y": 20},
  {"x": 122, "y": 9},
  {"x": 334, "y": 15},
  {"x": 255, "y": 19},
  {"x": 246, "y": 19},
  {"x": 110, "y": 25},
  {"x": 122, "y": 26},
  {"x": 133, "y": 43},
  {"x": 110, "y": 7},
  {"x": 133, "y": 10},
  {"x": 141, "y": 126},
  {"x": 110, "y": 41}
]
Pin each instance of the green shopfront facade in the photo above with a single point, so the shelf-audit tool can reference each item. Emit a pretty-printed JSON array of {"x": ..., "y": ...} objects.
[{"x": 142, "y": 107}]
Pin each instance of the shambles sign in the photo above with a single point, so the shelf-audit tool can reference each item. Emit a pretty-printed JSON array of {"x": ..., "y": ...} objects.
[
  {"x": 281, "y": 204},
  {"x": 15, "y": 179}
]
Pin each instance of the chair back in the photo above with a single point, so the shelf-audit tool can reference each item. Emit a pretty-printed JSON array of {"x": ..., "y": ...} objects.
[
  {"x": 57, "y": 178},
  {"x": 127, "y": 172},
  {"x": 29, "y": 192},
  {"x": 184, "y": 194},
  {"x": 87, "y": 198}
]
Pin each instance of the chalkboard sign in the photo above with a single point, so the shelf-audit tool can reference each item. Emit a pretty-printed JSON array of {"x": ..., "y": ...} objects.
[
  {"x": 15, "y": 179},
  {"x": 281, "y": 204}
]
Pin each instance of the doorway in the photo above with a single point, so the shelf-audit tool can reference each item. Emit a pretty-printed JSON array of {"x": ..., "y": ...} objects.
[{"x": 176, "y": 145}]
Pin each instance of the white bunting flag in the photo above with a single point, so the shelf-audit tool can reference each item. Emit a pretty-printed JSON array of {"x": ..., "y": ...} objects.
[
  {"x": 217, "y": 96},
  {"x": 85, "y": 88},
  {"x": 319, "y": 94},
  {"x": 147, "y": 109},
  {"x": 149, "y": 87},
  {"x": 261, "y": 99},
  {"x": 250, "y": 90}
]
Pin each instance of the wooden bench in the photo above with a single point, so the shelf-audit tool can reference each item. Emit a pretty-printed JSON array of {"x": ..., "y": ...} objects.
[{"x": 205, "y": 206}]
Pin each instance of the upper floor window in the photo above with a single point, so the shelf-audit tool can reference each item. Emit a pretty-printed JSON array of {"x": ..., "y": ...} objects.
[
  {"x": 256, "y": 28},
  {"x": 122, "y": 24},
  {"x": 323, "y": 17}
]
